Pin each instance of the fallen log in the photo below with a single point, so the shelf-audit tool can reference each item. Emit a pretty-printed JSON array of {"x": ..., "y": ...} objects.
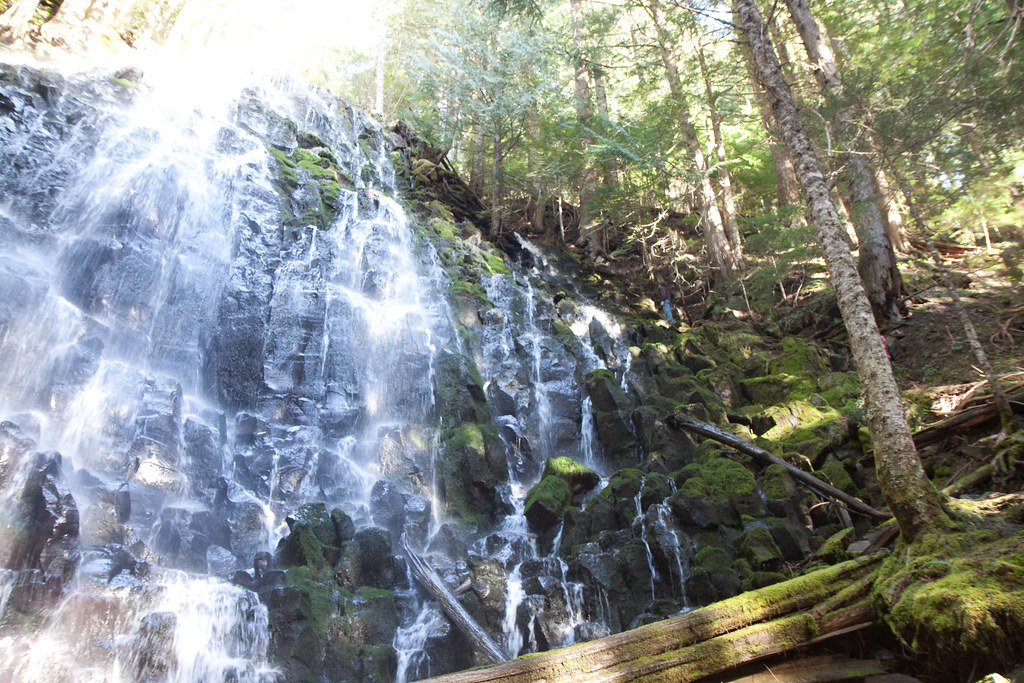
[
  {"x": 822, "y": 669},
  {"x": 429, "y": 579},
  {"x": 705, "y": 641},
  {"x": 968, "y": 419},
  {"x": 712, "y": 432}
]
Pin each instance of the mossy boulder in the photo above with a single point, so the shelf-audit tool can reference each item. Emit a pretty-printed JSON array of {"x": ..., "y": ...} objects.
[
  {"x": 612, "y": 410},
  {"x": 460, "y": 394},
  {"x": 314, "y": 536},
  {"x": 758, "y": 547},
  {"x": 473, "y": 469},
  {"x": 667, "y": 449},
  {"x": 546, "y": 501},
  {"x": 808, "y": 427},
  {"x": 713, "y": 576},
  {"x": 580, "y": 478}
]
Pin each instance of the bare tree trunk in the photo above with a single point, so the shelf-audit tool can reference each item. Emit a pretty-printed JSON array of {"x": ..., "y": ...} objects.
[
  {"x": 584, "y": 113},
  {"x": 722, "y": 257},
  {"x": 729, "y": 213},
  {"x": 876, "y": 259},
  {"x": 787, "y": 189},
  {"x": 610, "y": 168},
  {"x": 497, "y": 184},
  {"x": 476, "y": 167},
  {"x": 894, "y": 226},
  {"x": 906, "y": 489},
  {"x": 1003, "y": 408}
]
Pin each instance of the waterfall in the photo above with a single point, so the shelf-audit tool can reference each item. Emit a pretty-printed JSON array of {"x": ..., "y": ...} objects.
[
  {"x": 203, "y": 368},
  {"x": 219, "y": 329}
]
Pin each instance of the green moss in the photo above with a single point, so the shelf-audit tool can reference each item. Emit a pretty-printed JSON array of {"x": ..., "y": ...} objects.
[
  {"x": 777, "y": 483},
  {"x": 469, "y": 290},
  {"x": 466, "y": 437},
  {"x": 712, "y": 557},
  {"x": 314, "y": 166},
  {"x": 579, "y": 477},
  {"x": 494, "y": 262},
  {"x": 758, "y": 547},
  {"x": 318, "y": 599},
  {"x": 551, "y": 492},
  {"x": 834, "y": 473},
  {"x": 958, "y": 598},
  {"x": 718, "y": 478}
]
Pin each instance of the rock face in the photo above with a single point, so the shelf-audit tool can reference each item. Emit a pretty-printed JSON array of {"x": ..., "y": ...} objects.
[{"x": 263, "y": 374}]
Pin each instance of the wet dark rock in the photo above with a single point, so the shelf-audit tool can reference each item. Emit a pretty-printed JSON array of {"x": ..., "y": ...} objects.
[
  {"x": 376, "y": 564},
  {"x": 488, "y": 592},
  {"x": 179, "y": 537},
  {"x": 153, "y": 649},
  {"x": 233, "y": 365},
  {"x": 32, "y": 596},
  {"x": 611, "y": 418},
  {"x": 417, "y": 516},
  {"x": 203, "y": 453},
  {"x": 387, "y": 506},
  {"x": 41, "y": 520}
]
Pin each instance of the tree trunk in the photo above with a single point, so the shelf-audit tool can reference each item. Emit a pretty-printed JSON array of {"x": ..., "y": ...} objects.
[
  {"x": 906, "y": 489},
  {"x": 722, "y": 258},
  {"x": 729, "y": 213},
  {"x": 610, "y": 167},
  {"x": 894, "y": 226},
  {"x": 456, "y": 613},
  {"x": 876, "y": 259},
  {"x": 787, "y": 189},
  {"x": 584, "y": 113},
  {"x": 497, "y": 185},
  {"x": 478, "y": 163}
]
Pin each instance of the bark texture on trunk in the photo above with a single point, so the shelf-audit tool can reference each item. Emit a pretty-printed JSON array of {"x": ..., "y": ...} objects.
[
  {"x": 584, "y": 112},
  {"x": 876, "y": 259},
  {"x": 729, "y": 213},
  {"x": 476, "y": 167},
  {"x": 497, "y": 185},
  {"x": 906, "y": 489}
]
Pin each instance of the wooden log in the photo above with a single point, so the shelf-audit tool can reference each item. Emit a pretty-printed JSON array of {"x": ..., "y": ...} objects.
[
  {"x": 455, "y": 612},
  {"x": 712, "y": 432},
  {"x": 666, "y": 650},
  {"x": 968, "y": 419},
  {"x": 822, "y": 669}
]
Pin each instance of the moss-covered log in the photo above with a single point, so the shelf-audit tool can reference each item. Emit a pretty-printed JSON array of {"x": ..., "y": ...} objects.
[{"x": 706, "y": 641}]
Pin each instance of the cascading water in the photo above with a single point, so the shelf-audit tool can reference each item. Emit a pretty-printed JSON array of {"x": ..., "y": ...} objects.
[
  {"x": 203, "y": 367},
  {"x": 219, "y": 316}
]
